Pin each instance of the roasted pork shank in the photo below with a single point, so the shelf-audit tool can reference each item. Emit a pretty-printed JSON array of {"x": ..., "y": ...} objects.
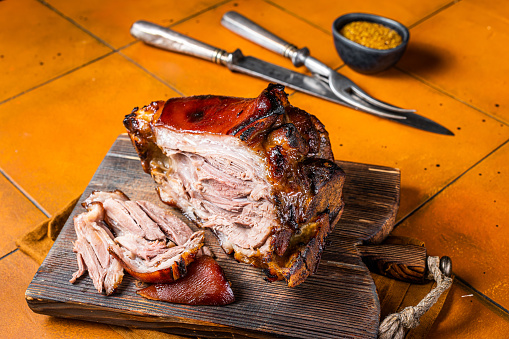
[{"x": 259, "y": 173}]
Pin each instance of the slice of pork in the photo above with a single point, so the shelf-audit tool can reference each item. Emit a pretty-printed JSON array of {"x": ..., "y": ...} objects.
[
  {"x": 101, "y": 196},
  {"x": 167, "y": 265},
  {"x": 132, "y": 238},
  {"x": 91, "y": 247},
  {"x": 172, "y": 226},
  {"x": 126, "y": 217}
]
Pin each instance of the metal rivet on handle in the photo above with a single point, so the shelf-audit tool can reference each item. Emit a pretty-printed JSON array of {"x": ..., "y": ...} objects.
[{"x": 446, "y": 266}]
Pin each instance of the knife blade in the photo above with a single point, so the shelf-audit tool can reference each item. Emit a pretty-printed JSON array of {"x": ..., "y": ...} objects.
[
  {"x": 310, "y": 85},
  {"x": 345, "y": 89},
  {"x": 167, "y": 39},
  {"x": 261, "y": 69}
]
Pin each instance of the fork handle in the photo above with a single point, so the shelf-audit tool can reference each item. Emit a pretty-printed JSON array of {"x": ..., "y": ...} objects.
[{"x": 246, "y": 28}]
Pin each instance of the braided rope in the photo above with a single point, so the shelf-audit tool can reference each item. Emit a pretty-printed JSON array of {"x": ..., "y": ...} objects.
[{"x": 393, "y": 326}]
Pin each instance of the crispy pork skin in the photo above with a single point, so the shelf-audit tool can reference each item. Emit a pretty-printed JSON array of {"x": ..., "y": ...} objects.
[
  {"x": 258, "y": 172},
  {"x": 205, "y": 284}
]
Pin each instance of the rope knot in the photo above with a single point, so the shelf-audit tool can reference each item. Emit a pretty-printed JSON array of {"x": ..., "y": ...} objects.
[
  {"x": 394, "y": 324},
  {"x": 409, "y": 317}
]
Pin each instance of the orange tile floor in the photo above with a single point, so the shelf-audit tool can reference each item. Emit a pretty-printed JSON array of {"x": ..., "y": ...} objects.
[{"x": 70, "y": 71}]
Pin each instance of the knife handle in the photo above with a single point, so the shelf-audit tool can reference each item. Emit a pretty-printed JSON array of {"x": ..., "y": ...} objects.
[
  {"x": 246, "y": 28},
  {"x": 402, "y": 262},
  {"x": 167, "y": 39}
]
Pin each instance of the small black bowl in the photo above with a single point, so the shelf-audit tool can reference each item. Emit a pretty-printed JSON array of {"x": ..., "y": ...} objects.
[{"x": 364, "y": 59}]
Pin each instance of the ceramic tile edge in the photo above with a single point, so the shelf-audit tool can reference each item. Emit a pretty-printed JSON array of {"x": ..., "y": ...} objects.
[
  {"x": 150, "y": 73},
  {"x": 178, "y": 22},
  {"x": 484, "y": 299},
  {"x": 57, "y": 77},
  {"x": 432, "y": 14},
  {"x": 216, "y": 5},
  {"x": 73, "y": 22},
  {"x": 430, "y": 198},
  {"x": 25, "y": 193},
  {"x": 444, "y": 92},
  {"x": 9, "y": 253},
  {"x": 491, "y": 304},
  {"x": 295, "y": 15}
]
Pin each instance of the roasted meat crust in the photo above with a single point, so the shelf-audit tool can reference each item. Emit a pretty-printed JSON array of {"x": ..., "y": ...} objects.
[
  {"x": 204, "y": 284},
  {"x": 291, "y": 149}
]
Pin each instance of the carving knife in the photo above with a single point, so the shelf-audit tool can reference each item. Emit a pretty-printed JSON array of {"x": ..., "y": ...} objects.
[{"x": 167, "y": 39}]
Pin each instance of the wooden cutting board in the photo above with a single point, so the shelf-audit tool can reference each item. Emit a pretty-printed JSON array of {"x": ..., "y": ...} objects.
[{"x": 340, "y": 300}]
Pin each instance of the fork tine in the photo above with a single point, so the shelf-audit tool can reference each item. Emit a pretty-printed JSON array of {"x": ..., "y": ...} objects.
[
  {"x": 378, "y": 103},
  {"x": 364, "y": 106},
  {"x": 341, "y": 93},
  {"x": 344, "y": 87}
]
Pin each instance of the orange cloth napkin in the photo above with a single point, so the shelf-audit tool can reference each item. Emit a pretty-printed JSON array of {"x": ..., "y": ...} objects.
[{"x": 394, "y": 295}]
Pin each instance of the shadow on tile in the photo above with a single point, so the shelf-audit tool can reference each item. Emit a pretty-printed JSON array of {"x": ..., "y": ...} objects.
[
  {"x": 407, "y": 194},
  {"x": 425, "y": 58}
]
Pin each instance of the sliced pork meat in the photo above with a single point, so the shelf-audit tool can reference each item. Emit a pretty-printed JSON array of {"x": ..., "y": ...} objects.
[
  {"x": 172, "y": 226},
  {"x": 141, "y": 247},
  {"x": 127, "y": 217},
  {"x": 116, "y": 234},
  {"x": 167, "y": 265},
  {"x": 101, "y": 196},
  {"x": 91, "y": 247},
  {"x": 259, "y": 173}
]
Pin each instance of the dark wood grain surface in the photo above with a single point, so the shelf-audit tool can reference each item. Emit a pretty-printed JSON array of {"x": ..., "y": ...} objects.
[{"x": 340, "y": 300}]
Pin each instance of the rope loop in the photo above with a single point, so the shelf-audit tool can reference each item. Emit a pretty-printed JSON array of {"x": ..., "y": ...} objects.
[{"x": 394, "y": 325}]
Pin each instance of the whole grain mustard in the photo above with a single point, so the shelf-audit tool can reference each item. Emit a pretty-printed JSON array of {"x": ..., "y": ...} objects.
[{"x": 371, "y": 35}]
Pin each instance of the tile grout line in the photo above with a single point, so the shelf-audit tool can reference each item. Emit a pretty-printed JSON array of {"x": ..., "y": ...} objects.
[
  {"x": 485, "y": 299},
  {"x": 450, "y": 183},
  {"x": 218, "y": 4},
  {"x": 329, "y": 33},
  {"x": 8, "y": 254},
  {"x": 120, "y": 49},
  {"x": 25, "y": 193},
  {"x": 57, "y": 77},
  {"x": 177, "y": 22},
  {"x": 150, "y": 73},
  {"x": 299, "y": 17},
  {"x": 444, "y": 7},
  {"x": 44, "y": 3},
  {"x": 113, "y": 49},
  {"x": 310, "y": 23},
  {"x": 409, "y": 27},
  {"x": 435, "y": 87}
]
